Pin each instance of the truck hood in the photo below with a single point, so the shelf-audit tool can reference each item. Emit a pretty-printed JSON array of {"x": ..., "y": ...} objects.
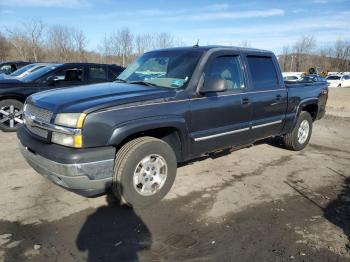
[
  {"x": 11, "y": 82},
  {"x": 90, "y": 98}
]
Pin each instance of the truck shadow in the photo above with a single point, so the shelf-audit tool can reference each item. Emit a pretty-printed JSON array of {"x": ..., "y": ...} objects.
[
  {"x": 338, "y": 211},
  {"x": 113, "y": 233}
]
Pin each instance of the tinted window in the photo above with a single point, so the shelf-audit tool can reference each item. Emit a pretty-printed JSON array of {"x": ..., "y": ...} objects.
[
  {"x": 263, "y": 72},
  {"x": 333, "y": 77},
  {"x": 228, "y": 68},
  {"x": 97, "y": 73},
  {"x": 69, "y": 74},
  {"x": 346, "y": 77}
]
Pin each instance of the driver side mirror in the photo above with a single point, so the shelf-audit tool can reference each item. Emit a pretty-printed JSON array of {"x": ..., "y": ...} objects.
[
  {"x": 52, "y": 80},
  {"x": 213, "y": 85}
]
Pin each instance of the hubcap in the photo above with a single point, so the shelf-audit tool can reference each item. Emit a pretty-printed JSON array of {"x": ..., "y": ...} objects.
[
  {"x": 150, "y": 175},
  {"x": 10, "y": 116},
  {"x": 303, "y": 131}
]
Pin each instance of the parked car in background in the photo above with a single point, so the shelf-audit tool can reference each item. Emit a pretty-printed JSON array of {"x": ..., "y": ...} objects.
[
  {"x": 170, "y": 106},
  {"x": 292, "y": 78},
  {"x": 9, "y": 67},
  {"x": 312, "y": 79},
  {"x": 24, "y": 71},
  {"x": 13, "y": 92},
  {"x": 338, "y": 80}
]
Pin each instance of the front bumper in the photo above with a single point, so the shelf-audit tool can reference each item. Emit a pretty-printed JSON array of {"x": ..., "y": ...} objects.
[{"x": 89, "y": 175}]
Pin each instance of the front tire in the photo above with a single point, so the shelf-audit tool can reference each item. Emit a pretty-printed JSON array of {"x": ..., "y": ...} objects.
[
  {"x": 144, "y": 171},
  {"x": 11, "y": 111},
  {"x": 299, "y": 137}
]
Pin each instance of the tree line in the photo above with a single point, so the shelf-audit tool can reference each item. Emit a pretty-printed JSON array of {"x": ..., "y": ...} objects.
[
  {"x": 36, "y": 41},
  {"x": 305, "y": 53}
]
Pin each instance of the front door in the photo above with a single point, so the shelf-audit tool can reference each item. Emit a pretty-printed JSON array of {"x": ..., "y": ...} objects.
[
  {"x": 65, "y": 77},
  {"x": 222, "y": 119}
]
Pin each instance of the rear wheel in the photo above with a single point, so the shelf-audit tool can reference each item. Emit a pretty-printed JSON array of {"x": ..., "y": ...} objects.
[
  {"x": 299, "y": 137},
  {"x": 144, "y": 171},
  {"x": 10, "y": 114}
]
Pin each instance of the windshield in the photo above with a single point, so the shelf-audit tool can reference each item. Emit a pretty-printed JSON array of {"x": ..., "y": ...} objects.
[
  {"x": 333, "y": 78},
  {"x": 171, "y": 69},
  {"x": 38, "y": 73},
  {"x": 22, "y": 70}
]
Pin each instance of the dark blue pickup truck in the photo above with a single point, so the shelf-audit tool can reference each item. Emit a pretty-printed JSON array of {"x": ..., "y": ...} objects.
[{"x": 168, "y": 107}]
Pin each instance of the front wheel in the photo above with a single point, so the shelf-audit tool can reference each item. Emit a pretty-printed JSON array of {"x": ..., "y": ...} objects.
[
  {"x": 10, "y": 114},
  {"x": 298, "y": 138},
  {"x": 144, "y": 171}
]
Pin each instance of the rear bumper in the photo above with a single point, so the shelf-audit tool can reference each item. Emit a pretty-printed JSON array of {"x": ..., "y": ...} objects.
[{"x": 87, "y": 175}]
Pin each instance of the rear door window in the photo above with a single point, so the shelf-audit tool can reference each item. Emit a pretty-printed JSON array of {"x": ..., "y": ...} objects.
[{"x": 263, "y": 72}]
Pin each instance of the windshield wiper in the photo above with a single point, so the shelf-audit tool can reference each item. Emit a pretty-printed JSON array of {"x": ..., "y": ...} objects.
[
  {"x": 120, "y": 80},
  {"x": 141, "y": 83}
]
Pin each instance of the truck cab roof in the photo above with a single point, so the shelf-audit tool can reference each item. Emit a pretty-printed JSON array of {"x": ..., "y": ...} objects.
[{"x": 217, "y": 48}]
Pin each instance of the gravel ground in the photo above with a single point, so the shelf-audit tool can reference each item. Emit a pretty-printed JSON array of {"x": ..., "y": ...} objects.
[{"x": 262, "y": 203}]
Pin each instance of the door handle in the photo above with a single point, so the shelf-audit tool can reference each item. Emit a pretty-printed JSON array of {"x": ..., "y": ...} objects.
[
  {"x": 278, "y": 97},
  {"x": 245, "y": 101}
]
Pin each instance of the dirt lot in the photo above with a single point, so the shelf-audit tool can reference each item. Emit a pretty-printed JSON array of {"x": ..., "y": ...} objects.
[{"x": 262, "y": 203}]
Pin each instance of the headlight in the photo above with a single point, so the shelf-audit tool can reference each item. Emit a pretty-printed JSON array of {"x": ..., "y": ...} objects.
[
  {"x": 67, "y": 140},
  {"x": 75, "y": 120},
  {"x": 72, "y": 120}
]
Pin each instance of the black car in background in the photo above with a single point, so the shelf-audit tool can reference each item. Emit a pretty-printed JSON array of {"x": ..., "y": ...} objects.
[
  {"x": 13, "y": 92},
  {"x": 9, "y": 67}
]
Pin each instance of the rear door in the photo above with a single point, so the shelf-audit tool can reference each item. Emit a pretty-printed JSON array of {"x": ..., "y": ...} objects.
[
  {"x": 222, "y": 119},
  {"x": 268, "y": 96}
]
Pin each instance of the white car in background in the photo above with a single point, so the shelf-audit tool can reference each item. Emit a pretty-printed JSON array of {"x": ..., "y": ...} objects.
[
  {"x": 293, "y": 78},
  {"x": 24, "y": 71},
  {"x": 338, "y": 80}
]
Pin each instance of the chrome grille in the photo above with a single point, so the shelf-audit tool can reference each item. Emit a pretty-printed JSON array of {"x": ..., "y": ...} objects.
[
  {"x": 40, "y": 114},
  {"x": 38, "y": 131}
]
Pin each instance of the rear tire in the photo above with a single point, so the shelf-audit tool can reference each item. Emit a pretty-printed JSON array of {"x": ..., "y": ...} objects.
[
  {"x": 298, "y": 138},
  {"x": 144, "y": 171},
  {"x": 11, "y": 111}
]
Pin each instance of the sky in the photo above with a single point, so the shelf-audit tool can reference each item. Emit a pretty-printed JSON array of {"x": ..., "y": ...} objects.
[{"x": 262, "y": 24}]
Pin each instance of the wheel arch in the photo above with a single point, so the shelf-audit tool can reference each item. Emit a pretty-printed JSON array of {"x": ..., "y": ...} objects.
[
  {"x": 170, "y": 129},
  {"x": 20, "y": 98}
]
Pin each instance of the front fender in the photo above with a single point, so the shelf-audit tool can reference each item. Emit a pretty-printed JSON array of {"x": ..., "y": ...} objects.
[{"x": 126, "y": 129}]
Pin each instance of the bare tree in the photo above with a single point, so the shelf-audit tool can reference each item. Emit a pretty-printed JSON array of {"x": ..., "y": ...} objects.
[
  {"x": 163, "y": 40},
  {"x": 304, "y": 46},
  {"x": 143, "y": 43},
  {"x": 106, "y": 48},
  {"x": 122, "y": 44},
  {"x": 4, "y": 47},
  {"x": 33, "y": 31},
  {"x": 341, "y": 54},
  {"x": 27, "y": 39},
  {"x": 284, "y": 59},
  {"x": 79, "y": 42},
  {"x": 60, "y": 42}
]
